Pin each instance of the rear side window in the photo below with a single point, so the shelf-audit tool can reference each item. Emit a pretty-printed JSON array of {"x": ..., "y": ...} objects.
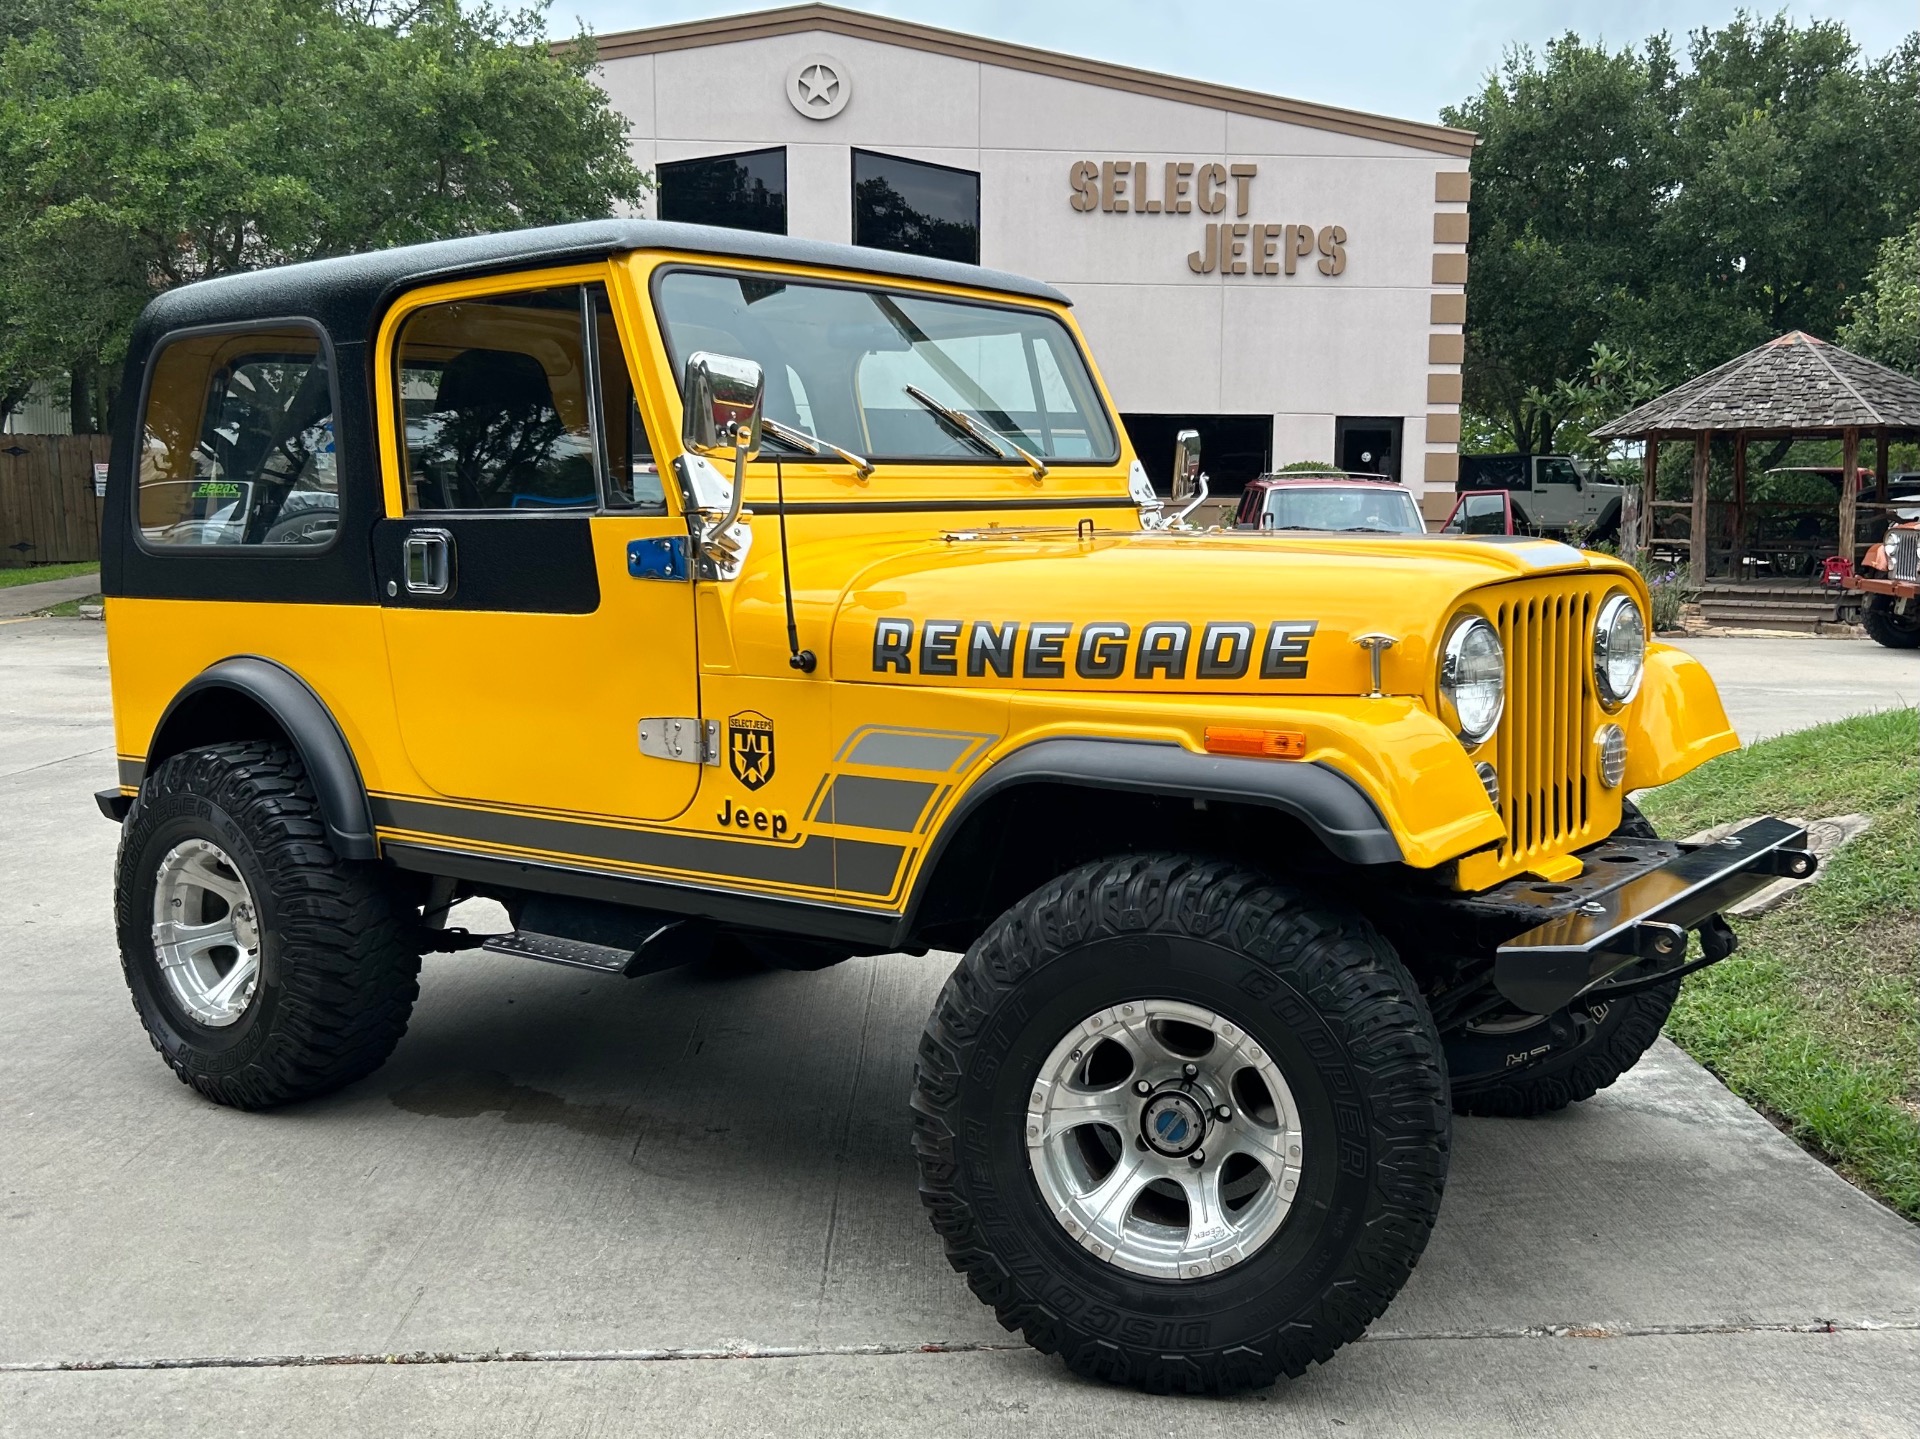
[
  {"x": 520, "y": 402},
  {"x": 237, "y": 442}
]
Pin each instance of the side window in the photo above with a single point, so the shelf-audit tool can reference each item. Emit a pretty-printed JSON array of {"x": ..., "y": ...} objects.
[
  {"x": 497, "y": 404},
  {"x": 1558, "y": 472},
  {"x": 237, "y": 443},
  {"x": 633, "y": 475}
]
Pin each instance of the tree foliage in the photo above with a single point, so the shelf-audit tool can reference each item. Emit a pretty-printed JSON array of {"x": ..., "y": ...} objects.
[
  {"x": 147, "y": 143},
  {"x": 1677, "y": 208},
  {"x": 1883, "y": 321}
]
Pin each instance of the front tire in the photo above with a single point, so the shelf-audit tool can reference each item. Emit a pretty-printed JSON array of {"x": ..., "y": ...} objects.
[
  {"x": 1514, "y": 1065},
  {"x": 1895, "y": 631},
  {"x": 263, "y": 966},
  {"x": 1295, "y": 1100}
]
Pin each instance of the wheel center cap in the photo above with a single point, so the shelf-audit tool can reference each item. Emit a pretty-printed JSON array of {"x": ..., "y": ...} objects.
[{"x": 1173, "y": 1123}]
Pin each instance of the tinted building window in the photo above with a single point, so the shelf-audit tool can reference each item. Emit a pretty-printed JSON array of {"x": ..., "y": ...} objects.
[
  {"x": 742, "y": 192},
  {"x": 915, "y": 208}
]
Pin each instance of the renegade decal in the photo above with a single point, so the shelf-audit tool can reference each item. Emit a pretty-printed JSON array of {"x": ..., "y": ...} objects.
[
  {"x": 1164, "y": 649},
  {"x": 750, "y": 748}
]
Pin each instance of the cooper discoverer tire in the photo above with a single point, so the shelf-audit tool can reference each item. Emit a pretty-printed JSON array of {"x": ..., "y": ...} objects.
[
  {"x": 1516, "y": 1066},
  {"x": 287, "y": 971},
  {"x": 1254, "y": 976}
]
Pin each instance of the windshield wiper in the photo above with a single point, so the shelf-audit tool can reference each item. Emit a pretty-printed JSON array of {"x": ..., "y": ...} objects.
[
  {"x": 814, "y": 445},
  {"x": 986, "y": 439}
]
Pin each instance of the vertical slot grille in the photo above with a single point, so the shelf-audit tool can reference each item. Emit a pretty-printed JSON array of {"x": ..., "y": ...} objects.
[
  {"x": 1539, "y": 749},
  {"x": 1903, "y": 554}
]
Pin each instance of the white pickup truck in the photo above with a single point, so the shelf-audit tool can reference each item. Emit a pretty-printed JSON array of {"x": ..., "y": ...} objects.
[{"x": 1552, "y": 494}]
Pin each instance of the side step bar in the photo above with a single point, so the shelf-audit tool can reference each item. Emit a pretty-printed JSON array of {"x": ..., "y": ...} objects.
[
  {"x": 1647, "y": 918},
  {"x": 676, "y": 942}
]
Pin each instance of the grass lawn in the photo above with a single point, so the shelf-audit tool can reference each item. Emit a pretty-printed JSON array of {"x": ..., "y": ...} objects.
[
  {"x": 69, "y": 609},
  {"x": 1816, "y": 1017},
  {"x": 34, "y": 574}
]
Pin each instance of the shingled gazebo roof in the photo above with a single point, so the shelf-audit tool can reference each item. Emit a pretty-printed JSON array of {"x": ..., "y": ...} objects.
[{"x": 1796, "y": 384}]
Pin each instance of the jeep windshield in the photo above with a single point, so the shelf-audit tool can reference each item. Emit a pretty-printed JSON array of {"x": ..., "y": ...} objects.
[
  {"x": 1378, "y": 509},
  {"x": 841, "y": 362}
]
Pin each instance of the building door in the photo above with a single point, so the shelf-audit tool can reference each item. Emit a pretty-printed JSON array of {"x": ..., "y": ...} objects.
[
  {"x": 1368, "y": 444},
  {"x": 525, "y": 648}
]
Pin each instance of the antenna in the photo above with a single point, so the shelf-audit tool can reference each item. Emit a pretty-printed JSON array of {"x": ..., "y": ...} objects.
[{"x": 802, "y": 660}]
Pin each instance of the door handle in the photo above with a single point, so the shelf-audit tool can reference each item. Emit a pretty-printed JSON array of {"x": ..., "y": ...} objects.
[{"x": 429, "y": 562}]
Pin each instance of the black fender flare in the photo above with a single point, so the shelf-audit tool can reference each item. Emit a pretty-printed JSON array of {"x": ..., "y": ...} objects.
[
  {"x": 309, "y": 726},
  {"x": 1332, "y": 807}
]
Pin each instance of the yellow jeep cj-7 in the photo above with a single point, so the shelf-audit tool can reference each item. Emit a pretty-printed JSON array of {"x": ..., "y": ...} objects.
[{"x": 681, "y": 588}]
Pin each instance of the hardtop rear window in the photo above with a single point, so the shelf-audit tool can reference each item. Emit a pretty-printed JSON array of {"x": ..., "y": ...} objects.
[
  {"x": 839, "y": 358},
  {"x": 237, "y": 448}
]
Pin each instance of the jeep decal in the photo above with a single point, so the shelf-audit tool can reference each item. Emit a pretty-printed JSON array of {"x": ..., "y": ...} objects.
[{"x": 1100, "y": 650}]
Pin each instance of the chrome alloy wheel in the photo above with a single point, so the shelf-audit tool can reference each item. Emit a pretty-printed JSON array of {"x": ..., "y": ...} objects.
[
  {"x": 206, "y": 932},
  {"x": 1164, "y": 1139}
]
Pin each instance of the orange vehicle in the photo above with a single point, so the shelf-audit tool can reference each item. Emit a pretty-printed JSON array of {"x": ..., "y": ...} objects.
[{"x": 1888, "y": 582}]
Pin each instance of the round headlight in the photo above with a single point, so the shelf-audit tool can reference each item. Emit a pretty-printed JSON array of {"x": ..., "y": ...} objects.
[
  {"x": 1619, "y": 650},
  {"x": 1473, "y": 679}
]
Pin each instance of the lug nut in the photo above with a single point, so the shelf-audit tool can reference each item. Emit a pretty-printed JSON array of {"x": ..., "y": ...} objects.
[
  {"x": 1141, "y": 1087},
  {"x": 1199, "y": 1156},
  {"x": 1223, "y": 1114},
  {"x": 1189, "y": 1070}
]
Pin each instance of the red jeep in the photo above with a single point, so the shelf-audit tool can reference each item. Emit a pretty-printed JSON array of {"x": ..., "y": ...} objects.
[{"x": 1329, "y": 500}]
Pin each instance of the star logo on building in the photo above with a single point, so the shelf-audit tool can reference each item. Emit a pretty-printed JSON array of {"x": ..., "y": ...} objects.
[{"x": 819, "y": 85}]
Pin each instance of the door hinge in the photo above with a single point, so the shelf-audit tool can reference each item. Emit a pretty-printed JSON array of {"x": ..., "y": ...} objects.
[{"x": 691, "y": 741}]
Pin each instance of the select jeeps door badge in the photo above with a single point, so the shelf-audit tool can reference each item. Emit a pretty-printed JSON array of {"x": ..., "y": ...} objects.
[
  {"x": 1099, "y": 650},
  {"x": 750, "y": 748}
]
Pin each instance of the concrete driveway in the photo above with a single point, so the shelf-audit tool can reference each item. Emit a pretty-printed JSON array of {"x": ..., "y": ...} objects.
[
  {"x": 578, "y": 1202},
  {"x": 1773, "y": 684}
]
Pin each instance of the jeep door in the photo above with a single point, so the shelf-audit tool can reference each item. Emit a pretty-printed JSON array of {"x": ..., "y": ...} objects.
[
  {"x": 1557, "y": 499},
  {"x": 537, "y": 600}
]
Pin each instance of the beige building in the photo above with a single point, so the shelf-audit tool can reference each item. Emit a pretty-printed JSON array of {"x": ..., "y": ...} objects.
[{"x": 1288, "y": 277}]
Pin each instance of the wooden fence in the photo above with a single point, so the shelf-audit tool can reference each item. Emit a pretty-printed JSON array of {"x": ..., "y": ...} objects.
[{"x": 49, "y": 513}]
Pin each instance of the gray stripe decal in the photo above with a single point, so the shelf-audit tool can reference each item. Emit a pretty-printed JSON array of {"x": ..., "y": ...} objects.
[
  {"x": 820, "y": 862},
  {"x": 132, "y": 772},
  {"x": 861, "y": 867},
  {"x": 895, "y": 804},
  {"x": 910, "y": 749}
]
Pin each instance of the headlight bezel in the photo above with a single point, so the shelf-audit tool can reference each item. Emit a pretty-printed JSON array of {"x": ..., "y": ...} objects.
[
  {"x": 1611, "y": 609},
  {"x": 1452, "y": 661}
]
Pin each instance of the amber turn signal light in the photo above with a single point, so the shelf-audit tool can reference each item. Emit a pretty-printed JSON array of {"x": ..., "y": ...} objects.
[{"x": 1264, "y": 743}]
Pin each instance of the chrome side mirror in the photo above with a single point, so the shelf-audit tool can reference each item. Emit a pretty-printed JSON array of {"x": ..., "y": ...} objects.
[
  {"x": 1186, "y": 464},
  {"x": 1189, "y": 485},
  {"x": 723, "y": 395},
  {"x": 722, "y": 404}
]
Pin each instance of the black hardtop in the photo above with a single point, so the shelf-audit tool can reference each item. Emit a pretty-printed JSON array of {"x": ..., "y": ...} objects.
[{"x": 348, "y": 292}]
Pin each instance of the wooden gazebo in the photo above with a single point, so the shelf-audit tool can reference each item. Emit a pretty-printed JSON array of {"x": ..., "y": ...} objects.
[{"x": 1793, "y": 388}]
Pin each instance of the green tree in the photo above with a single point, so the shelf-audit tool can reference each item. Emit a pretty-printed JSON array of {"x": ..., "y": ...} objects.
[
  {"x": 148, "y": 143},
  {"x": 1883, "y": 320},
  {"x": 1576, "y": 149},
  {"x": 1677, "y": 210}
]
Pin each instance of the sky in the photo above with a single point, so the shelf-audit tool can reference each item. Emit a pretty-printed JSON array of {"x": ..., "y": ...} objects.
[{"x": 1404, "y": 58}]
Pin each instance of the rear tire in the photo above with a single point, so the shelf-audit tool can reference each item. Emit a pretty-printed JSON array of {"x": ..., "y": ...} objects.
[
  {"x": 1354, "y": 1128},
  {"x": 1896, "y": 632},
  {"x": 264, "y": 967}
]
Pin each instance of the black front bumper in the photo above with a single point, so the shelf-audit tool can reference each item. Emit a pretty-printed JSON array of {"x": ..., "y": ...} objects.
[{"x": 1633, "y": 906}]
